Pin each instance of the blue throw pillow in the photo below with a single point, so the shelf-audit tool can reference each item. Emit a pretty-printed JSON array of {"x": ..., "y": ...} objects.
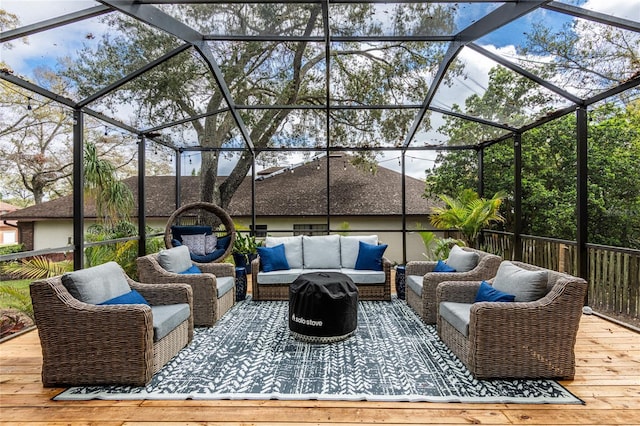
[
  {"x": 486, "y": 293},
  {"x": 370, "y": 256},
  {"x": 192, "y": 270},
  {"x": 443, "y": 267},
  {"x": 273, "y": 258},
  {"x": 131, "y": 298},
  {"x": 223, "y": 242}
]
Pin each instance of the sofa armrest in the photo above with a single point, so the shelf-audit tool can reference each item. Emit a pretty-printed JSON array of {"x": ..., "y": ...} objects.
[
  {"x": 218, "y": 269},
  {"x": 419, "y": 267}
]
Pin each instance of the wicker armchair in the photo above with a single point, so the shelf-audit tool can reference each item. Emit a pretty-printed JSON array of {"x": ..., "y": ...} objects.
[
  {"x": 87, "y": 344},
  {"x": 517, "y": 339},
  {"x": 424, "y": 303},
  {"x": 208, "y": 306}
]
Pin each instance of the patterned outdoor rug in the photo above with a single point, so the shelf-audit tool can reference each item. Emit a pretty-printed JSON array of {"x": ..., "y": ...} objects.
[{"x": 393, "y": 356}]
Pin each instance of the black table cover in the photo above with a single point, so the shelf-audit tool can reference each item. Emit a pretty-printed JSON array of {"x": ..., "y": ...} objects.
[{"x": 323, "y": 307}]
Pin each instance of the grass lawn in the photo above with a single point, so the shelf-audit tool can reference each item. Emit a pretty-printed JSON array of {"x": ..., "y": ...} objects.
[{"x": 20, "y": 285}]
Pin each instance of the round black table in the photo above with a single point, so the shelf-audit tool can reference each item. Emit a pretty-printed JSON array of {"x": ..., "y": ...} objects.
[{"x": 323, "y": 307}]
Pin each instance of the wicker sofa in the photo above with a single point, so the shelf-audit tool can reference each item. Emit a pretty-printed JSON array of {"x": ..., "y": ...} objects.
[
  {"x": 334, "y": 253},
  {"x": 88, "y": 343},
  {"x": 213, "y": 289},
  {"x": 422, "y": 281},
  {"x": 529, "y": 339}
]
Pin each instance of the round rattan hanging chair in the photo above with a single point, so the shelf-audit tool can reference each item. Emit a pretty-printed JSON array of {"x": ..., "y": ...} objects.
[{"x": 202, "y": 219}]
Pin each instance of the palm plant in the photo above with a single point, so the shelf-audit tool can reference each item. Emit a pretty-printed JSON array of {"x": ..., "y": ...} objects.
[
  {"x": 434, "y": 247},
  {"x": 468, "y": 213},
  {"x": 113, "y": 198}
]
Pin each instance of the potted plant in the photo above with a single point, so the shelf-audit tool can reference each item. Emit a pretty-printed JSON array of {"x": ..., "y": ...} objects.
[{"x": 245, "y": 250}]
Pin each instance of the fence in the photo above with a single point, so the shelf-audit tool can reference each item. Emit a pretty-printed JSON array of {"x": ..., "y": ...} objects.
[{"x": 614, "y": 273}]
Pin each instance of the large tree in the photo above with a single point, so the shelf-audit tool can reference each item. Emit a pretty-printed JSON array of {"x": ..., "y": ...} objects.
[{"x": 270, "y": 73}]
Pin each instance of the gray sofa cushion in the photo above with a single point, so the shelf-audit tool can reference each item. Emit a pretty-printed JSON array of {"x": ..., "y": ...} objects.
[
  {"x": 224, "y": 284},
  {"x": 526, "y": 285},
  {"x": 364, "y": 276},
  {"x": 462, "y": 261},
  {"x": 168, "y": 317},
  {"x": 176, "y": 259},
  {"x": 292, "y": 249},
  {"x": 97, "y": 284},
  {"x": 414, "y": 282},
  {"x": 350, "y": 246},
  {"x": 457, "y": 314},
  {"x": 321, "y": 252}
]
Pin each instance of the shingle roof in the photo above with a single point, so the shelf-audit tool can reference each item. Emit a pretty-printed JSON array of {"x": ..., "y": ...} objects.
[{"x": 353, "y": 191}]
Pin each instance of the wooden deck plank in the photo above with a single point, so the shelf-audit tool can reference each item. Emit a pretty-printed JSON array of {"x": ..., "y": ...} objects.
[{"x": 607, "y": 360}]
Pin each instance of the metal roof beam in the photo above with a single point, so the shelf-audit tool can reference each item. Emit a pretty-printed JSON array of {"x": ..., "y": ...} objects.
[
  {"x": 158, "y": 19},
  {"x": 53, "y": 23},
  {"x": 513, "y": 67},
  {"x": 36, "y": 89},
  {"x": 578, "y": 12},
  {"x": 449, "y": 56},
  {"x": 498, "y": 18},
  {"x": 185, "y": 120},
  {"x": 473, "y": 119},
  {"x": 133, "y": 75},
  {"x": 336, "y": 39}
]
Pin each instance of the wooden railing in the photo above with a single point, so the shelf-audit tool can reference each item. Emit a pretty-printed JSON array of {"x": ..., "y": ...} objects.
[{"x": 614, "y": 273}]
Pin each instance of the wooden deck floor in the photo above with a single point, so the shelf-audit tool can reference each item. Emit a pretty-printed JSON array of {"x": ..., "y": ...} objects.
[{"x": 607, "y": 379}]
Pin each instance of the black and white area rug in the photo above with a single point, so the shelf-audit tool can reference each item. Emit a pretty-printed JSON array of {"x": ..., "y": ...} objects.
[{"x": 393, "y": 356}]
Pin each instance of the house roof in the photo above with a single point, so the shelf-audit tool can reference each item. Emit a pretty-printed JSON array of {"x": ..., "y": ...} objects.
[{"x": 297, "y": 191}]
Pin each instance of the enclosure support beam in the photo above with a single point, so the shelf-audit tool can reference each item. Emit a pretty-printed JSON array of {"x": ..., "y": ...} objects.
[
  {"x": 481, "y": 172},
  {"x": 142, "y": 219},
  {"x": 517, "y": 228},
  {"x": 178, "y": 180},
  {"x": 78, "y": 189},
  {"x": 404, "y": 208},
  {"x": 582, "y": 234}
]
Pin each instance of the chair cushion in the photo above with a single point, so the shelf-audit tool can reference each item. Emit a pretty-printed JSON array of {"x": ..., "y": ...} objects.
[
  {"x": 224, "y": 284},
  {"x": 441, "y": 266},
  {"x": 292, "y": 249},
  {"x": 210, "y": 242},
  {"x": 131, "y": 298},
  {"x": 97, "y": 284},
  {"x": 223, "y": 242},
  {"x": 414, "y": 282},
  {"x": 525, "y": 285},
  {"x": 349, "y": 248},
  {"x": 370, "y": 256},
  {"x": 282, "y": 277},
  {"x": 321, "y": 251},
  {"x": 462, "y": 261},
  {"x": 486, "y": 293},
  {"x": 176, "y": 259},
  {"x": 192, "y": 270},
  {"x": 168, "y": 317},
  {"x": 195, "y": 242},
  {"x": 364, "y": 276},
  {"x": 273, "y": 258},
  {"x": 457, "y": 314},
  {"x": 177, "y": 231}
]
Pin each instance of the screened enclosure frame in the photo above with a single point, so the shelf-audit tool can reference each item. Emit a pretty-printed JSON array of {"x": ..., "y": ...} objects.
[{"x": 150, "y": 13}]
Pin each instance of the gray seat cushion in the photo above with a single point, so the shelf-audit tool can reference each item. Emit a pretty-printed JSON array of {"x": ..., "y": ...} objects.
[
  {"x": 97, "y": 284},
  {"x": 457, "y": 314},
  {"x": 461, "y": 260},
  {"x": 414, "y": 282},
  {"x": 526, "y": 285},
  {"x": 168, "y": 317},
  {"x": 224, "y": 285}
]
